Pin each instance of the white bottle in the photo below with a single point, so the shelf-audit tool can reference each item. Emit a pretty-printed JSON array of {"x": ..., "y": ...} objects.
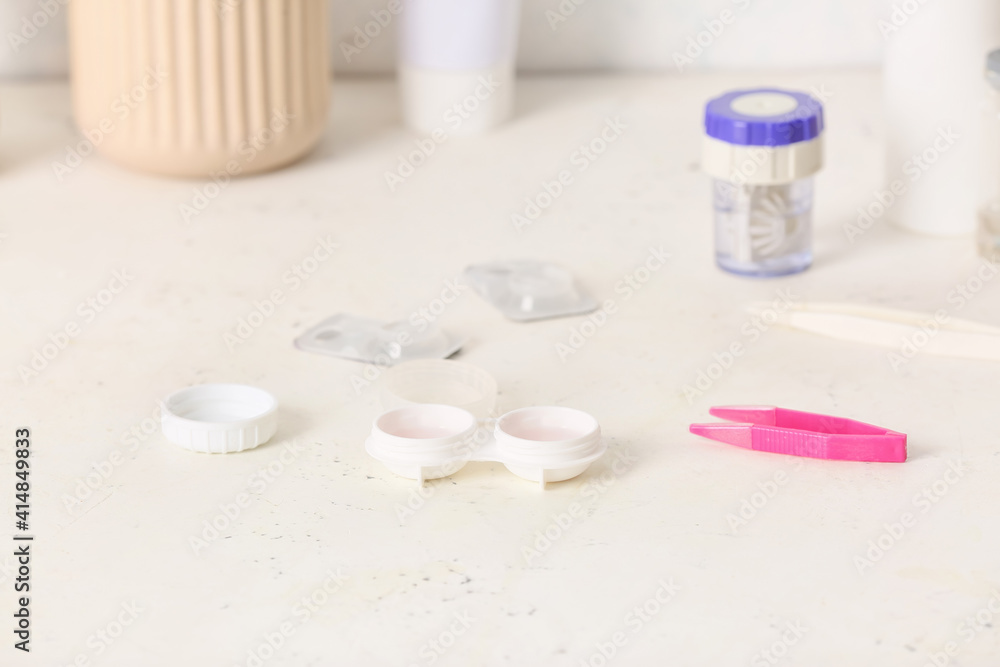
[
  {"x": 988, "y": 237},
  {"x": 933, "y": 91},
  {"x": 457, "y": 64}
]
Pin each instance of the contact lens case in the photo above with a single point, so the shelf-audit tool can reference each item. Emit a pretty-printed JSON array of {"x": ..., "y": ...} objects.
[{"x": 429, "y": 440}]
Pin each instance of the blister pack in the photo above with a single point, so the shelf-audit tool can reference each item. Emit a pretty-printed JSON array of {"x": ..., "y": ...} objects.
[
  {"x": 526, "y": 290},
  {"x": 372, "y": 341}
]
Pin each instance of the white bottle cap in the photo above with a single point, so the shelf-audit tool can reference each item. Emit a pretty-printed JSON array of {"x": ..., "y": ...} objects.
[{"x": 219, "y": 418}]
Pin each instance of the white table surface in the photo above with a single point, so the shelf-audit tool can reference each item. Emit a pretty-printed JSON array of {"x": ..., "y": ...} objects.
[{"x": 461, "y": 554}]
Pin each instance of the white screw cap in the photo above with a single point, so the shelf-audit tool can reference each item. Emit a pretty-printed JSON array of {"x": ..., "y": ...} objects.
[{"x": 219, "y": 418}]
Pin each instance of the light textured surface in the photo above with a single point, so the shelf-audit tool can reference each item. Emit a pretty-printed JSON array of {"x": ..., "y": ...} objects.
[{"x": 325, "y": 506}]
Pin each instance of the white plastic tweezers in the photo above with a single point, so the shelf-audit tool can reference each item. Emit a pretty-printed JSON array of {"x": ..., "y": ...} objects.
[{"x": 890, "y": 328}]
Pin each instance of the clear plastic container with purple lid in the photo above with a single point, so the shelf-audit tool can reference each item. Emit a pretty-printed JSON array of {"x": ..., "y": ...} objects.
[{"x": 762, "y": 147}]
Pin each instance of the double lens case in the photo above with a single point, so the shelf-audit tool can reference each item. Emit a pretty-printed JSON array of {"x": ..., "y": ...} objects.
[{"x": 423, "y": 441}]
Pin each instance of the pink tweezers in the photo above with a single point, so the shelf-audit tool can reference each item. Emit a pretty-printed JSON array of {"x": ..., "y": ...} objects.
[{"x": 769, "y": 429}]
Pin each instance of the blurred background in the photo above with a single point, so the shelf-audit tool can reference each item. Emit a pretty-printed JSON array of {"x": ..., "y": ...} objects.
[{"x": 555, "y": 35}]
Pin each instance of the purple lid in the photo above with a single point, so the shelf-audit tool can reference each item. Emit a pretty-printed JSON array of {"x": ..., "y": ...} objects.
[{"x": 764, "y": 117}]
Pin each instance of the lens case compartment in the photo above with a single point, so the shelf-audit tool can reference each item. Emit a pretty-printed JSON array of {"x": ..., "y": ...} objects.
[{"x": 541, "y": 444}]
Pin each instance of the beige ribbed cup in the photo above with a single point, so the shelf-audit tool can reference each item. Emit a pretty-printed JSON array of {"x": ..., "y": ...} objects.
[{"x": 194, "y": 87}]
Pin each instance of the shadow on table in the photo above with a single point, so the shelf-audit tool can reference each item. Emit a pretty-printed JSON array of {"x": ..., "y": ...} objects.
[{"x": 291, "y": 425}]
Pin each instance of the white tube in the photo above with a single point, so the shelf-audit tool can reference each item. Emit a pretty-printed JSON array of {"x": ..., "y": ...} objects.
[
  {"x": 935, "y": 50},
  {"x": 457, "y": 63}
]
